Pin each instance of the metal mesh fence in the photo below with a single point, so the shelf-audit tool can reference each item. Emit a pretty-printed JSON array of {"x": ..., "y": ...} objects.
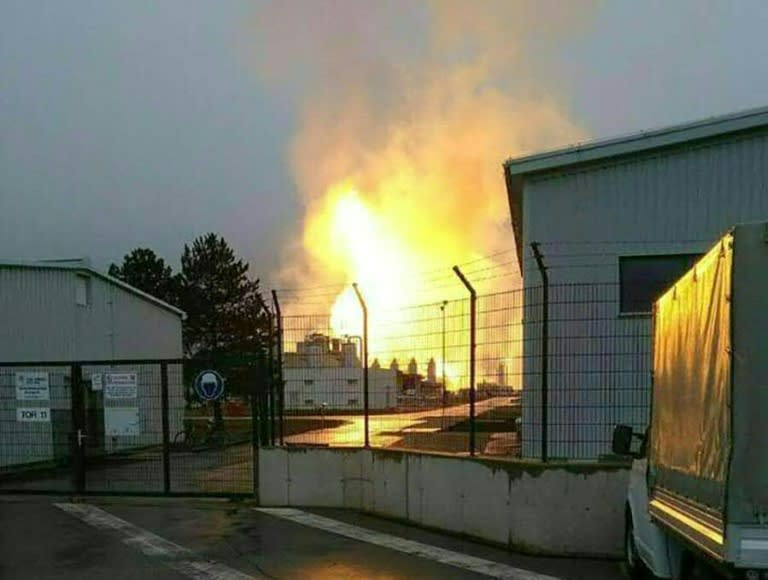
[
  {"x": 555, "y": 369},
  {"x": 425, "y": 349},
  {"x": 500, "y": 368},
  {"x": 599, "y": 369},
  {"x": 131, "y": 427},
  {"x": 36, "y": 426},
  {"x": 210, "y": 442},
  {"x": 122, "y": 410},
  {"x": 323, "y": 379}
]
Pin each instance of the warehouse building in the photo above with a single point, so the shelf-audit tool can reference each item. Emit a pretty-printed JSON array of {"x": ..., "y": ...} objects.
[
  {"x": 616, "y": 222},
  {"x": 65, "y": 312}
]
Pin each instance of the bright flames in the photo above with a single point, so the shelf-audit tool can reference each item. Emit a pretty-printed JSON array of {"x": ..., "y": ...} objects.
[
  {"x": 366, "y": 247},
  {"x": 387, "y": 254},
  {"x": 397, "y": 155}
]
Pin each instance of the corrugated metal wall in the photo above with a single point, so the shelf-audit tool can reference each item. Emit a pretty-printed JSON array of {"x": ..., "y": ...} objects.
[
  {"x": 677, "y": 201},
  {"x": 37, "y": 309},
  {"x": 674, "y": 201},
  {"x": 41, "y": 320}
]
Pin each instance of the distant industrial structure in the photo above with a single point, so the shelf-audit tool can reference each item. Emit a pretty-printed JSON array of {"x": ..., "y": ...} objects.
[
  {"x": 327, "y": 373},
  {"x": 67, "y": 311},
  {"x": 617, "y": 222}
]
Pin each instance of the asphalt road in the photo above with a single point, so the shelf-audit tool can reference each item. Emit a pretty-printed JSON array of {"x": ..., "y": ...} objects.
[{"x": 118, "y": 538}]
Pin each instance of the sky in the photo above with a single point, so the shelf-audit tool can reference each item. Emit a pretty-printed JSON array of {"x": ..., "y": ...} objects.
[{"x": 146, "y": 123}]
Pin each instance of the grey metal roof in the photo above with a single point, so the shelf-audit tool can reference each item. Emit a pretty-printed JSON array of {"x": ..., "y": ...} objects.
[
  {"x": 636, "y": 142},
  {"x": 83, "y": 265},
  {"x": 516, "y": 169}
]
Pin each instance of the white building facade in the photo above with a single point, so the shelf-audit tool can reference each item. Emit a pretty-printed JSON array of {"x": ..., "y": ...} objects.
[
  {"x": 616, "y": 221},
  {"x": 327, "y": 373}
]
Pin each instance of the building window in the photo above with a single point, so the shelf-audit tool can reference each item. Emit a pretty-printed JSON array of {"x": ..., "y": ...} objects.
[
  {"x": 82, "y": 290},
  {"x": 309, "y": 382},
  {"x": 351, "y": 381},
  {"x": 293, "y": 397},
  {"x": 644, "y": 278},
  {"x": 353, "y": 402},
  {"x": 309, "y": 401}
]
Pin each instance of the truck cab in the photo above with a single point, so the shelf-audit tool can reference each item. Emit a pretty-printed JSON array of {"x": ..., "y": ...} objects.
[{"x": 648, "y": 549}]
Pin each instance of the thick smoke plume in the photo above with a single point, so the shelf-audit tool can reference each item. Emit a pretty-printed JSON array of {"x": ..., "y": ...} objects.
[{"x": 406, "y": 111}]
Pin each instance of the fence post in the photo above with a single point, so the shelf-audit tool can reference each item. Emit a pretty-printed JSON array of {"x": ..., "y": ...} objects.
[
  {"x": 255, "y": 432},
  {"x": 365, "y": 364},
  {"x": 268, "y": 434},
  {"x": 445, "y": 396},
  {"x": 472, "y": 351},
  {"x": 280, "y": 383},
  {"x": 544, "y": 351},
  {"x": 271, "y": 373},
  {"x": 78, "y": 434},
  {"x": 166, "y": 428}
]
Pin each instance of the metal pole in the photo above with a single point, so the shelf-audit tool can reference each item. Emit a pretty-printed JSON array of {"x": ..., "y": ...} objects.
[
  {"x": 78, "y": 423},
  {"x": 280, "y": 383},
  {"x": 365, "y": 364},
  {"x": 269, "y": 400},
  {"x": 166, "y": 429},
  {"x": 255, "y": 443},
  {"x": 442, "y": 310},
  {"x": 544, "y": 351},
  {"x": 472, "y": 349},
  {"x": 271, "y": 374}
]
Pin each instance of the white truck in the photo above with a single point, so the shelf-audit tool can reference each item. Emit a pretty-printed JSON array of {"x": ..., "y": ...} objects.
[{"x": 699, "y": 481}]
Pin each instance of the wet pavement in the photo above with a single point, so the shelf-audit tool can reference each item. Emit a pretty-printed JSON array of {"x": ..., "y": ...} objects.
[
  {"x": 386, "y": 429},
  {"x": 227, "y": 470},
  {"x": 116, "y": 538}
]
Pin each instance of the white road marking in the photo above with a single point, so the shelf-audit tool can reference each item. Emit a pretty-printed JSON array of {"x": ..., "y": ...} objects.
[
  {"x": 441, "y": 555},
  {"x": 173, "y": 555}
]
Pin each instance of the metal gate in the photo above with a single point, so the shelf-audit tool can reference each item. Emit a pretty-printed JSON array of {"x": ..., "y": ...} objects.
[{"x": 150, "y": 427}]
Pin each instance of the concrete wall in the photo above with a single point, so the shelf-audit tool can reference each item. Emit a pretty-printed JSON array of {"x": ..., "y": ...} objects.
[{"x": 567, "y": 509}]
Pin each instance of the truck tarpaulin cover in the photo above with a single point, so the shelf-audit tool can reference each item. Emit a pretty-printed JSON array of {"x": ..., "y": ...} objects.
[{"x": 690, "y": 426}]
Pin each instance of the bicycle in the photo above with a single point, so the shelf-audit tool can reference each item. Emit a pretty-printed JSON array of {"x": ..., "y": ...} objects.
[{"x": 212, "y": 435}]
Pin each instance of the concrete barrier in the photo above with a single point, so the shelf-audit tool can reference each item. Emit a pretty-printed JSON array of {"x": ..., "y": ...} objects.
[{"x": 557, "y": 509}]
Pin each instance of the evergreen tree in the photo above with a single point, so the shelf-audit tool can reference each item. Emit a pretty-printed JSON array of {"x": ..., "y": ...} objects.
[
  {"x": 145, "y": 270},
  {"x": 223, "y": 306}
]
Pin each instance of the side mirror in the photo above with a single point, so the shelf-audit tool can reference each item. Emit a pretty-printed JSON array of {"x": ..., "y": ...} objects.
[{"x": 622, "y": 440}]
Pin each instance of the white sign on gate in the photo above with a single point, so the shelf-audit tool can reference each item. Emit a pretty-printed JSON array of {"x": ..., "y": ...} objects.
[
  {"x": 120, "y": 385},
  {"x": 121, "y": 421},
  {"x": 32, "y": 386},
  {"x": 33, "y": 415}
]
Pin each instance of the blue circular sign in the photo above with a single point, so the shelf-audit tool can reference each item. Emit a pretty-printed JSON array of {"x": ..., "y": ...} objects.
[{"x": 209, "y": 385}]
